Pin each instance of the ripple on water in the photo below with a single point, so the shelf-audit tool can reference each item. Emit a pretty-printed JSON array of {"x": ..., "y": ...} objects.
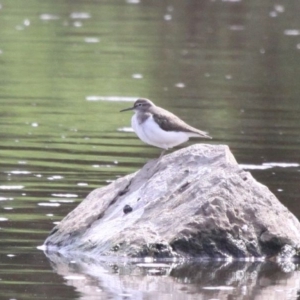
[
  {"x": 102, "y": 166},
  {"x": 62, "y": 201},
  {"x": 6, "y": 199},
  {"x": 125, "y": 129},
  {"x": 236, "y": 27},
  {"x": 254, "y": 167},
  {"x": 48, "y": 204},
  {"x": 19, "y": 172},
  {"x": 65, "y": 195},
  {"x": 11, "y": 187},
  {"x": 292, "y": 32},
  {"x": 55, "y": 177},
  {"x": 137, "y": 76},
  {"x": 269, "y": 165},
  {"x": 48, "y": 17},
  {"x": 91, "y": 40},
  {"x": 180, "y": 85},
  {"x": 77, "y": 24},
  {"x": 133, "y": 1},
  {"x": 282, "y": 164},
  {"x": 110, "y": 98},
  {"x": 80, "y": 15}
]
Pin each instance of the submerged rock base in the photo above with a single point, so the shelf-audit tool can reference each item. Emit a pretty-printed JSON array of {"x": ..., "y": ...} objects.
[{"x": 195, "y": 202}]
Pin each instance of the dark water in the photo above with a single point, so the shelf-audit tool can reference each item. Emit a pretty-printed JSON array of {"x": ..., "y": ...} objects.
[{"x": 67, "y": 67}]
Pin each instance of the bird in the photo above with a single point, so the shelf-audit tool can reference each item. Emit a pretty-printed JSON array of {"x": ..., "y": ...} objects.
[{"x": 160, "y": 128}]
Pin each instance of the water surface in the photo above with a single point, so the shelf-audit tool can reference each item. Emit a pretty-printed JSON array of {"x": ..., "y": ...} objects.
[{"x": 68, "y": 67}]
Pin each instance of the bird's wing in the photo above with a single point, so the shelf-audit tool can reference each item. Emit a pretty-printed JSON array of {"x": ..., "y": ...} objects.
[{"x": 169, "y": 122}]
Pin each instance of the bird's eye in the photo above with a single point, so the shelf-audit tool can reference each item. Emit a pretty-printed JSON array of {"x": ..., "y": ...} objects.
[{"x": 140, "y": 104}]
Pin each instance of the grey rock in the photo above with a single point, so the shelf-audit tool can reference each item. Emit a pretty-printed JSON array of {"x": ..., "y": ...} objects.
[{"x": 195, "y": 202}]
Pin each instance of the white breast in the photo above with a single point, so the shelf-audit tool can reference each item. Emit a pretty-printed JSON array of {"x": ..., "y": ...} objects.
[{"x": 150, "y": 133}]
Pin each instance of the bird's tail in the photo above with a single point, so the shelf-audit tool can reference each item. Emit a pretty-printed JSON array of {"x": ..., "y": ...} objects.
[{"x": 200, "y": 134}]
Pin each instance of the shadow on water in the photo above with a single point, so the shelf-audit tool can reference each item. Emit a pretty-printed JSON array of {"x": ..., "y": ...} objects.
[{"x": 117, "y": 279}]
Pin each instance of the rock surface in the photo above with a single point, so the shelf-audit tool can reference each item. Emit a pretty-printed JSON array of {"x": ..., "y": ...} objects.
[{"x": 195, "y": 202}]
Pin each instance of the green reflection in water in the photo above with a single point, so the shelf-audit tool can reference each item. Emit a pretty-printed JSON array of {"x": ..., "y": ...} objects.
[{"x": 226, "y": 67}]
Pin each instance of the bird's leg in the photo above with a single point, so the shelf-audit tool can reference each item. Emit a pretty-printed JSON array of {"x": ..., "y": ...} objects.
[
  {"x": 162, "y": 154},
  {"x": 158, "y": 160}
]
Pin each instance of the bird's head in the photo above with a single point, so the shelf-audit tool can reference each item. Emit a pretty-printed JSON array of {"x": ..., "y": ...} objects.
[{"x": 140, "y": 105}]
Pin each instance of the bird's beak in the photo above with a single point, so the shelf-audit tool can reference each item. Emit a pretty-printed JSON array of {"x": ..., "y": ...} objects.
[{"x": 130, "y": 108}]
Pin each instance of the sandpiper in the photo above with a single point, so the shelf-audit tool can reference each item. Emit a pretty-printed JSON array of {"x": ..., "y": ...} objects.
[{"x": 160, "y": 128}]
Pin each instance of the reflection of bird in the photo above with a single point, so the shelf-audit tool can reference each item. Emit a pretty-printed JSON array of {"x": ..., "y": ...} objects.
[{"x": 160, "y": 128}]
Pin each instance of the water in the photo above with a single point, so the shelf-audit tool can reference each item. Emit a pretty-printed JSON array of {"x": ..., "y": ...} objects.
[{"x": 68, "y": 67}]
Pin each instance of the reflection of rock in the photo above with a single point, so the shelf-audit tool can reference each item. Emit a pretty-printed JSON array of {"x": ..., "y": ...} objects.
[
  {"x": 110, "y": 279},
  {"x": 193, "y": 202}
]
